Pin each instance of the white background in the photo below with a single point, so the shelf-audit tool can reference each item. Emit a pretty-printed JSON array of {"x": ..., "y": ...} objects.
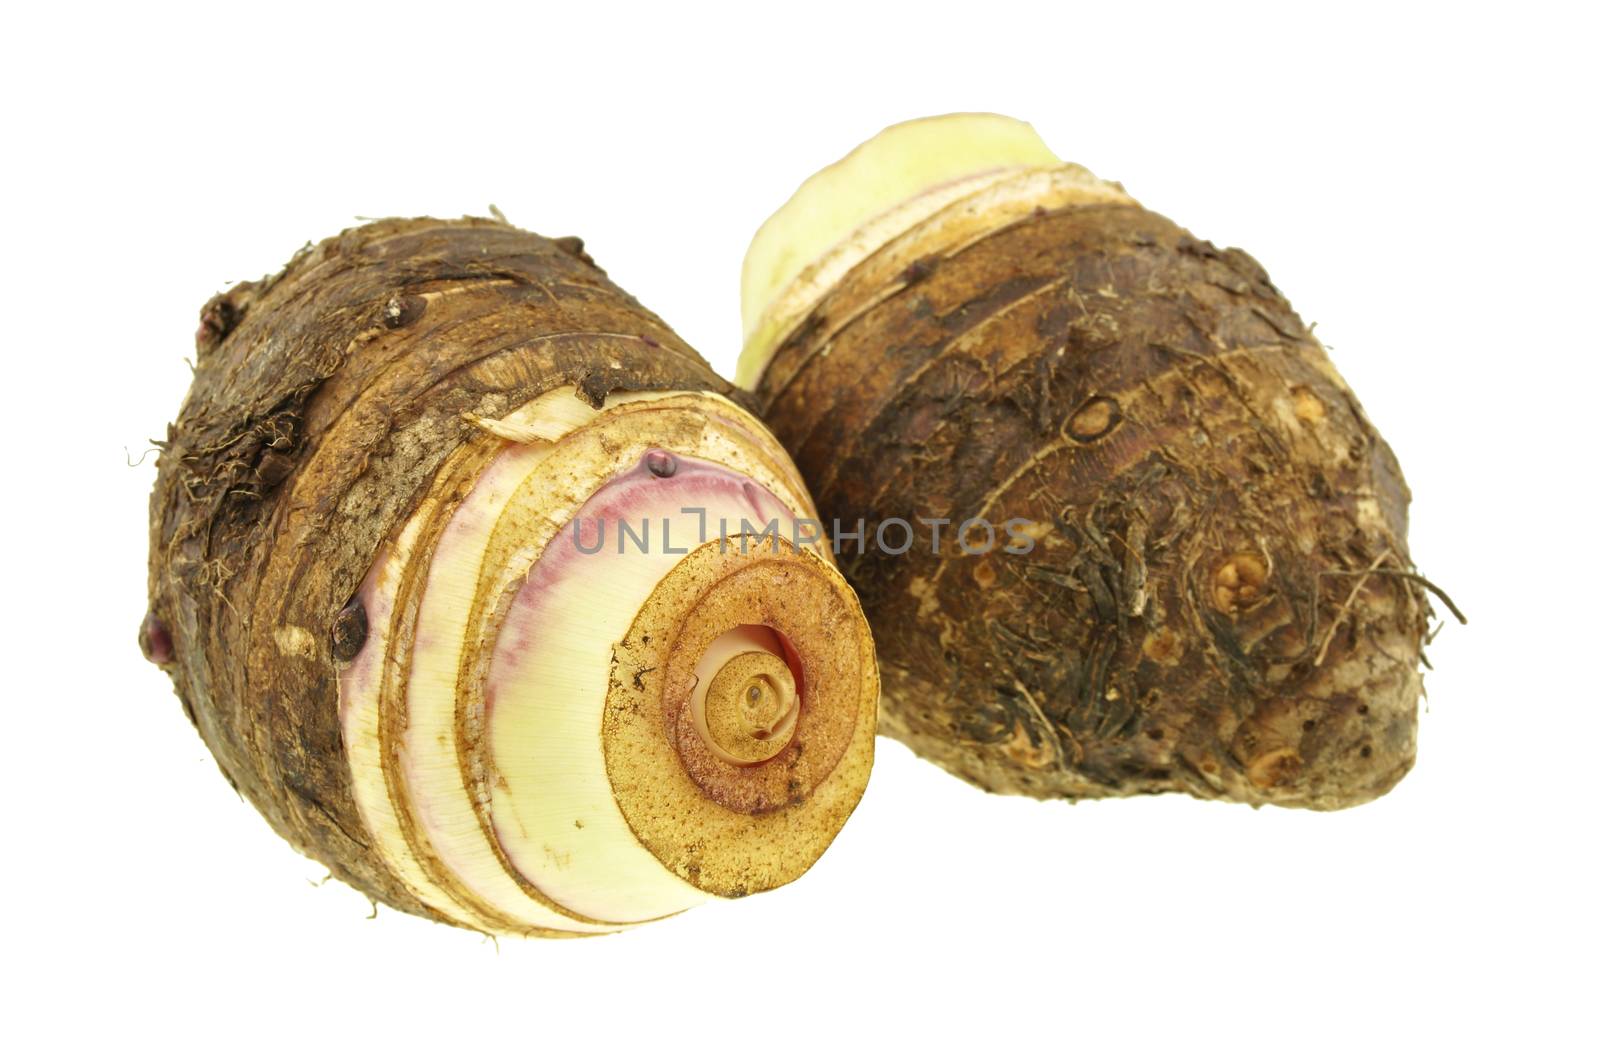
[{"x": 1420, "y": 181}]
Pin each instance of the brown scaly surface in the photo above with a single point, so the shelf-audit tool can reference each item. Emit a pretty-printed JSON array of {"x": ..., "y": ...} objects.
[
  {"x": 323, "y": 401},
  {"x": 1220, "y": 601}
]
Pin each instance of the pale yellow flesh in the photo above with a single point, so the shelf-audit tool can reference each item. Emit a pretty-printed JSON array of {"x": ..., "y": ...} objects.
[
  {"x": 554, "y": 818},
  {"x": 845, "y": 211},
  {"x": 552, "y": 807},
  {"x": 430, "y": 751},
  {"x": 439, "y": 802},
  {"x": 359, "y": 685},
  {"x": 903, "y": 161}
]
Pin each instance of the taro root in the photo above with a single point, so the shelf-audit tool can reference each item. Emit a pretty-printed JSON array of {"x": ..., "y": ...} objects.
[
  {"x": 480, "y": 587},
  {"x": 1198, "y": 578}
]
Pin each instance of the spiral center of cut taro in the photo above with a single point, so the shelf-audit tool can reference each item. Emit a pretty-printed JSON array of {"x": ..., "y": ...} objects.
[{"x": 746, "y": 702}]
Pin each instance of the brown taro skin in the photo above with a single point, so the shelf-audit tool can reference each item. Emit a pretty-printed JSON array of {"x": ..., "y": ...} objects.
[
  {"x": 323, "y": 400},
  {"x": 1218, "y": 599}
]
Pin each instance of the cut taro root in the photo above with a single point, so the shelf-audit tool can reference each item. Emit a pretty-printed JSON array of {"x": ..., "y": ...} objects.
[{"x": 480, "y": 587}]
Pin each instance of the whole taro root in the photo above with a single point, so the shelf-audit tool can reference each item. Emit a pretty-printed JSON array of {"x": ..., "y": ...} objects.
[{"x": 1200, "y": 582}]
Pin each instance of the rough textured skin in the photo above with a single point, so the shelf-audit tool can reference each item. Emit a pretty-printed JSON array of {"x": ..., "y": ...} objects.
[
  {"x": 1219, "y": 601},
  {"x": 324, "y": 399}
]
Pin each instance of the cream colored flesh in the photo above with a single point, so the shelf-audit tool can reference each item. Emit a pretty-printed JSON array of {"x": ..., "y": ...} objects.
[
  {"x": 429, "y": 780},
  {"x": 359, "y": 717},
  {"x": 507, "y": 853},
  {"x": 902, "y": 162},
  {"x": 430, "y": 753},
  {"x": 845, "y": 214},
  {"x": 552, "y": 806}
]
